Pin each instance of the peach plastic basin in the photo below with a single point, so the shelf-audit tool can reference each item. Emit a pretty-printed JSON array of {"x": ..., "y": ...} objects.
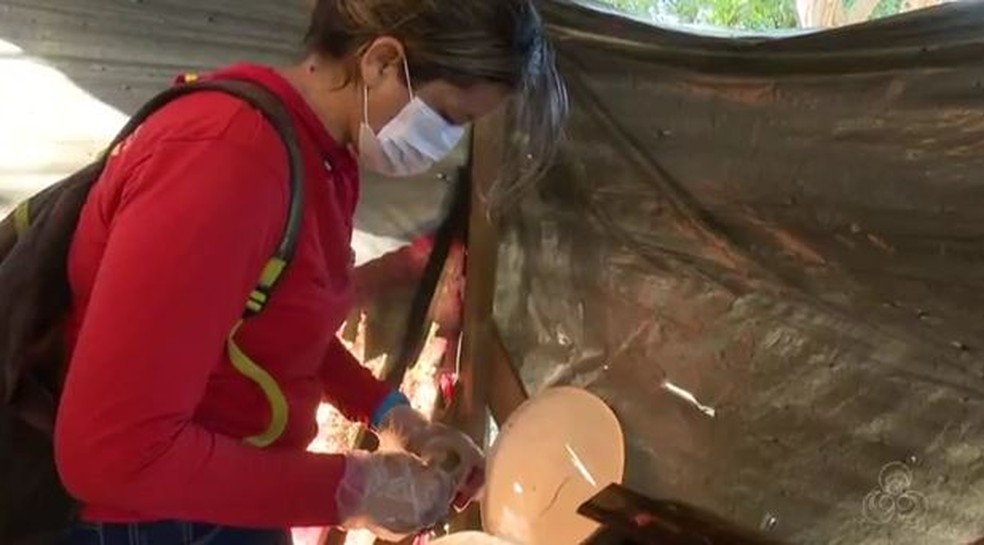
[{"x": 556, "y": 451}]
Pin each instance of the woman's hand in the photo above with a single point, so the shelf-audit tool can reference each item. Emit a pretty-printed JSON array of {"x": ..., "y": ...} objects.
[
  {"x": 392, "y": 494},
  {"x": 440, "y": 445}
]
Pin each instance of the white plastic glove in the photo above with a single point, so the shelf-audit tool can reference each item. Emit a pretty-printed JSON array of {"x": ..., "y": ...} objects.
[
  {"x": 440, "y": 445},
  {"x": 392, "y": 494}
]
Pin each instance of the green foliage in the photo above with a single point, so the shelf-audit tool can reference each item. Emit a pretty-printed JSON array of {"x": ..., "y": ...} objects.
[
  {"x": 756, "y": 15},
  {"x": 888, "y": 7},
  {"x": 632, "y": 6},
  {"x": 741, "y": 14}
]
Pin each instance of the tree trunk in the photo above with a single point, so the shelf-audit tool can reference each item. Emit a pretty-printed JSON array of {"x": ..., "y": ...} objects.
[
  {"x": 832, "y": 13},
  {"x": 861, "y": 11},
  {"x": 819, "y": 13}
]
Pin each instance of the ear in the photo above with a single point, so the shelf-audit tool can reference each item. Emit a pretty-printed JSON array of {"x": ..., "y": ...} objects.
[{"x": 383, "y": 55}]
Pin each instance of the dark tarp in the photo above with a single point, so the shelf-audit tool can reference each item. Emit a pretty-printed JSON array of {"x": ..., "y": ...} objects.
[{"x": 792, "y": 231}]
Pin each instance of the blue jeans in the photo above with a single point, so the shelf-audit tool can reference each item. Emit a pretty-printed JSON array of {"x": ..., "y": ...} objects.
[{"x": 170, "y": 533}]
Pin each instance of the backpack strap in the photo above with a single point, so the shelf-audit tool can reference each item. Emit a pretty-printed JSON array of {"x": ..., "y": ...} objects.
[
  {"x": 278, "y": 117},
  {"x": 22, "y": 217}
]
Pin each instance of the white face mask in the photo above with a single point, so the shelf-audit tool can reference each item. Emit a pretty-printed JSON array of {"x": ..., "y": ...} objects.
[{"x": 411, "y": 142}]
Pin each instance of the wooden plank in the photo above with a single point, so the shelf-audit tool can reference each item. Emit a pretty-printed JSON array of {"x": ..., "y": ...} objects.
[{"x": 470, "y": 410}]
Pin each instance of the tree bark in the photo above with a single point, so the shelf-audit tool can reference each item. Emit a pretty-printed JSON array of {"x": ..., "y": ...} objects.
[{"x": 832, "y": 13}]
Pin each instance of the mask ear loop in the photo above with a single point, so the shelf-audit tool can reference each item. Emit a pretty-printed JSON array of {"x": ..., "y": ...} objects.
[
  {"x": 365, "y": 91},
  {"x": 406, "y": 71}
]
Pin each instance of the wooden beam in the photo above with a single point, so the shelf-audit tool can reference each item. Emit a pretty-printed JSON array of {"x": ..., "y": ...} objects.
[{"x": 470, "y": 410}]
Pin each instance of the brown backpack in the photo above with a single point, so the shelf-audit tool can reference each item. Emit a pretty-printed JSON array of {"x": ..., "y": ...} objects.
[{"x": 35, "y": 298}]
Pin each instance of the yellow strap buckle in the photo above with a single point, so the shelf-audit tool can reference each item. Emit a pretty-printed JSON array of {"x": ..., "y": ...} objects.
[{"x": 22, "y": 218}]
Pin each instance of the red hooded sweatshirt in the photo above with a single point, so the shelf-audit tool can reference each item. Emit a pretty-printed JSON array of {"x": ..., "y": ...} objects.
[{"x": 169, "y": 245}]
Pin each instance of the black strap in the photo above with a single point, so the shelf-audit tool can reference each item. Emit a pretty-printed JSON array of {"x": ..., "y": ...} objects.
[{"x": 452, "y": 228}]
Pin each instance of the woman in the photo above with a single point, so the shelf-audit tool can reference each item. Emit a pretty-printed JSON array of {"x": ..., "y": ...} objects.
[{"x": 158, "y": 434}]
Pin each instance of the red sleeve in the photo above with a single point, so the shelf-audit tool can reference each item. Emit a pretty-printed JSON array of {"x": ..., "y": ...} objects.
[
  {"x": 350, "y": 386},
  {"x": 196, "y": 222}
]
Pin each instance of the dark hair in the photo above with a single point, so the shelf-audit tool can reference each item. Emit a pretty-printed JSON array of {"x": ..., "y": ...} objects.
[{"x": 464, "y": 42}]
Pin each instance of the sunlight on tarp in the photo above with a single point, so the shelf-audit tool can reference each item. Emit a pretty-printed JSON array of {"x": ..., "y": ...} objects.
[{"x": 49, "y": 126}]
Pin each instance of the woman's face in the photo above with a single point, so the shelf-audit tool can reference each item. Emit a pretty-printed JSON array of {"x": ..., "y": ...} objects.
[{"x": 385, "y": 77}]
